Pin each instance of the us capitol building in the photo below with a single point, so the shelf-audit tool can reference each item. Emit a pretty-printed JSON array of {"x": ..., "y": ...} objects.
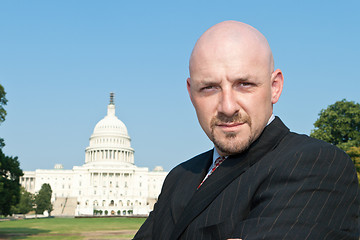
[{"x": 108, "y": 183}]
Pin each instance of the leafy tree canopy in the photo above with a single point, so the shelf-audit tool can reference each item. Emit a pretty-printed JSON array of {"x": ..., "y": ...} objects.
[
  {"x": 3, "y": 102},
  {"x": 10, "y": 171},
  {"x": 43, "y": 199},
  {"x": 339, "y": 124},
  {"x": 354, "y": 153},
  {"x": 26, "y": 202},
  {"x": 10, "y": 174}
]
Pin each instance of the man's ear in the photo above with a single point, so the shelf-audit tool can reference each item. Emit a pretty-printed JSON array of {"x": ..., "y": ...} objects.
[
  {"x": 188, "y": 87},
  {"x": 277, "y": 83}
]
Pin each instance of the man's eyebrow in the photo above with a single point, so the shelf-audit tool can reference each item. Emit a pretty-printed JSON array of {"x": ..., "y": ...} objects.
[
  {"x": 244, "y": 78},
  {"x": 208, "y": 82}
]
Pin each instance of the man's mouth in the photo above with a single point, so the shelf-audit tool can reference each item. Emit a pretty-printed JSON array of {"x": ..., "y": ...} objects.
[{"x": 232, "y": 126}]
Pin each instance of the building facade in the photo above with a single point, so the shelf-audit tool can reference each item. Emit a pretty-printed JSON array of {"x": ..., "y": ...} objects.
[{"x": 109, "y": 183}]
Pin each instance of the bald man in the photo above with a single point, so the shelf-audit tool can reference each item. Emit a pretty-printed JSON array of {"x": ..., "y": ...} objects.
[{"x": 260, "y": 181}]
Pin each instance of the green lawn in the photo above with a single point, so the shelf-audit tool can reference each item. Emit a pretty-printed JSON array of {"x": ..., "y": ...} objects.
[{"x": 70, "y": 228}]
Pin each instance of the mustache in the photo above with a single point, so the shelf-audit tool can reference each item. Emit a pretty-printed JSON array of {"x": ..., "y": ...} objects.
[{"x": 236, "y": 118}]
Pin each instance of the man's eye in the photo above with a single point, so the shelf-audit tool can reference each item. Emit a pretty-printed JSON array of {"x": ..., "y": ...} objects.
[
  {"x": 245, "y": 84},
  {"x": 207, "y": 88}
]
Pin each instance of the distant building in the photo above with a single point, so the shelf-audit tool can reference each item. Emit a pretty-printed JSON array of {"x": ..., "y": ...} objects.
[{"x": 108, "y": 183}]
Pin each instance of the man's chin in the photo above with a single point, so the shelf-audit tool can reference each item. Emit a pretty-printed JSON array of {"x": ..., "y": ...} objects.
[{"x": 231, "y": 146}]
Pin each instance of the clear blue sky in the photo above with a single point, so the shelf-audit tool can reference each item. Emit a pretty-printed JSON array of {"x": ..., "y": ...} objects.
[{"x": 59, "y": 60}]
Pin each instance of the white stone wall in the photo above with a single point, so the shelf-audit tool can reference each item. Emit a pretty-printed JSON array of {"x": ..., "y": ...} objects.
[{"x": 119, "y": 189}]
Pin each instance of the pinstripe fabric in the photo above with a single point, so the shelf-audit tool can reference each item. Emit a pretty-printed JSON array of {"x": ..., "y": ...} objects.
[{"x": 285, "y": 186}]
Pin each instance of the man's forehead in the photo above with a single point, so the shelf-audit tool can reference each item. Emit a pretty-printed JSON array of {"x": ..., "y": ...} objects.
[
  {"x": 230, "y": 39},
  {"x": 230, "y": 32}
]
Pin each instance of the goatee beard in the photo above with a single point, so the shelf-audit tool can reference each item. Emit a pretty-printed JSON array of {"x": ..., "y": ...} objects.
[{"x": 231, "y": 145}]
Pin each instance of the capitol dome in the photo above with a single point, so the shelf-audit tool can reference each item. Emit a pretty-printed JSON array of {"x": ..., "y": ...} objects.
[
  {"x": 110, "y": 141},
  {"x": 110, "y": 124}
]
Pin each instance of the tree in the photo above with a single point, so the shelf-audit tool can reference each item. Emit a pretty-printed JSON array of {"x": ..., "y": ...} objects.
[
  {"x": 43, "y": 199},
  {"x": 339, "y": 124},
  {"x": 26, "y": 202},
  {"x": 10, "y": 174},
  {"x": 3, "y": 102},
  {"x": 10, "y": 171},
  {"x": 354, "y": 153}
]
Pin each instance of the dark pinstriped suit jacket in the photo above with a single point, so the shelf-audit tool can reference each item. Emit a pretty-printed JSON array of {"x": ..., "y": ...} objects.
[{"x": 285, "y": 186}]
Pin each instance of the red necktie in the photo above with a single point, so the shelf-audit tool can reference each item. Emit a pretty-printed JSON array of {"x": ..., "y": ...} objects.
[{"x": 217, "y": 163}]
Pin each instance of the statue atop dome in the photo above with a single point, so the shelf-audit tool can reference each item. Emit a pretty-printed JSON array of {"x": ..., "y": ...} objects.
[{"x": 112, "y": 95}]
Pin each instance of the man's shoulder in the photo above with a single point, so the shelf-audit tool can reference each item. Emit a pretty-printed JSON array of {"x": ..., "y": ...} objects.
[
  {"x": 194, "y": 162},
  {"x": 194, "y": 165},
  {"x": 198, "y": 158},
  {"x": 301, "y": 142},
  {"x": 305, "y": 142},
  {"x": 308, "y": 146}
]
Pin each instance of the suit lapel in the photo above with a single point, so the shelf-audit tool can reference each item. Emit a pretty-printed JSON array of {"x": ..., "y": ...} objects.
[
  {"x": 229, "y": 170},
  {"x": 194, "y": 172}
]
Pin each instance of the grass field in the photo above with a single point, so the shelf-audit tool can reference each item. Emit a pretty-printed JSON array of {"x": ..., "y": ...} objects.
[{"x": 70, "y": 228}]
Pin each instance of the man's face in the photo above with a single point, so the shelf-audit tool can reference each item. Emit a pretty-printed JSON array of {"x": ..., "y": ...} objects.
[{"x": 232, "y": 91}]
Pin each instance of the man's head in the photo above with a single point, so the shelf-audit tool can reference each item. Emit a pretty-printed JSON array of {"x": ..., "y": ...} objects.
[{"x": 233, "y": 85}]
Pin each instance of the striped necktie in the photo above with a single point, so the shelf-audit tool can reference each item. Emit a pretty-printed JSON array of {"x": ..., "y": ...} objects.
[{"x": 217, "y": 163}]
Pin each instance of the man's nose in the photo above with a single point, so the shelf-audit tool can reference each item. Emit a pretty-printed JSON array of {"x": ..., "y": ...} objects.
[{"x": 228, "y": 104}]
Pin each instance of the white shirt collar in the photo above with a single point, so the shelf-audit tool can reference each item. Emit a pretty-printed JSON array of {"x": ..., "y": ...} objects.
[{"x": 272, "y": 117}]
